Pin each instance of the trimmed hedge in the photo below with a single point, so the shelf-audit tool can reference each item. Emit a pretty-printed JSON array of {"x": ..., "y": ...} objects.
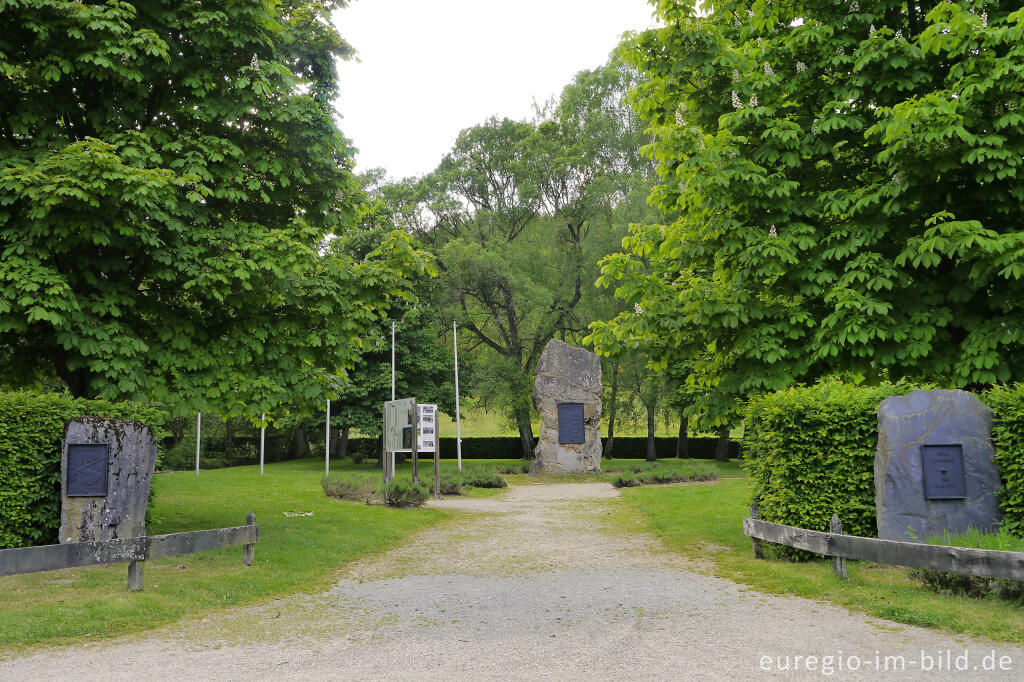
[
  {"x": 1007, "y": 403},
  {"x": 509, "y": 447},
  {"x": 31, "y": 429},
  {"x": 810, "y": 452}
]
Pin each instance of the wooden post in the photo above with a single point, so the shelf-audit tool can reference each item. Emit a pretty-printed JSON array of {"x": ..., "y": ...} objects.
[
  {"x": 415, "y": 443},
  {"x": 135, "y": 576},
  {"x": 835, "y": 527},
  {"x": 755, "y": 514},
  {"x": 248, "y": 551}
]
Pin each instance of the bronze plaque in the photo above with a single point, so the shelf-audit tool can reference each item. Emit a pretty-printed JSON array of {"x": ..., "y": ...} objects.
[
  {"x": 87, "y": 470},
  {"x": 943, "y": 467},
  {"x": 570, "y": 423}
]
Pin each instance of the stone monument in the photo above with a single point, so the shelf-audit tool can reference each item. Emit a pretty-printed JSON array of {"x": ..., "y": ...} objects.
[
  {"x": 934, "y": 470},
  {"x": 567, "y": 393},
  {"x": 106, "y": 469}
]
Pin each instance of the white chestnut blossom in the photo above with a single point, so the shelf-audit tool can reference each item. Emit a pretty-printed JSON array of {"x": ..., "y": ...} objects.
[
  {"x": 800, "y": 67},
  {"x": 773, "y": 232},
  {"x": 984, "y": 18},
  {"x": 753, "y": 100},
  {"x": 736, "y": 101},
  {"x": 768, "y": 69},
  {"x": 255, "y": 64}
]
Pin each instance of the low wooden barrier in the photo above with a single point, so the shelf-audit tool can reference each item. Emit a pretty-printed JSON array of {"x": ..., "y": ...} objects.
[
  {"x": 135, "y": 551},
  {"x": 967, "y": 561}
]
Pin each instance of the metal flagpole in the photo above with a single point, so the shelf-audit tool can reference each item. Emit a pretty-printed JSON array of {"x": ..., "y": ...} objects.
[
  {"x": 458, "y": 420},
  {"x": 327, "y": 441},
  {"x": 392, "y": 359},
  {"x": 199, "y": 428},
  {"x": 263, "y": 430}
]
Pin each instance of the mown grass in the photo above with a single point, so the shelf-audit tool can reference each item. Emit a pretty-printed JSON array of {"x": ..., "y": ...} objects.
[
  {"x": 294, "y": 553},
  {"x": 705, "y": 522}
]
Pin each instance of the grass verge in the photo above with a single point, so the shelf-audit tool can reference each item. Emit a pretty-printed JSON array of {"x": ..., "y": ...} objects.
[
  {"x": 705, "y": 522},
  {"x": 294, "y": 553}
]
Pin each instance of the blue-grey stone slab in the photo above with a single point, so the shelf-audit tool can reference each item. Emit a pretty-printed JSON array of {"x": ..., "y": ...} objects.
[{"x": 928, "y": 418}]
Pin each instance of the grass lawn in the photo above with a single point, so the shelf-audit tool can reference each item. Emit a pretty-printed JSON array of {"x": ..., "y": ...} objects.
[
  {"x": 293, "y": 554},
  {"x": 705, "y": 521}
]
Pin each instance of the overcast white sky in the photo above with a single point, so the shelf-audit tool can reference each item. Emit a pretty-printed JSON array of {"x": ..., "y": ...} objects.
[{"x": 429, "y": 68}]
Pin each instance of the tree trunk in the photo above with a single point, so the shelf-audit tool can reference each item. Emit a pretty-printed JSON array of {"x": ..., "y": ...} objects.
[
  {"x": 343, "y": 443},
  {"x": 525, "y": 431},
  {"x": 380, "y": 450},
  {"x": 229, "y": 435},
  {"x": 652, "y": 454},
  {"x": 300, "y": 444},
  {"x": 722, "y": 449},
  {"x": 613, "y": 406},
  {"x": 683, "y": 442}
]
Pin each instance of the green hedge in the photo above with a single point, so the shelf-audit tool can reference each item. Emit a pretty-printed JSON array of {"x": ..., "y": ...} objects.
[
  {"x": 810, "y": 452},
  {"x": 509, "y": 447},
  {"x": 31, "y": 429},
  {"x": 1007, "y": 403}
]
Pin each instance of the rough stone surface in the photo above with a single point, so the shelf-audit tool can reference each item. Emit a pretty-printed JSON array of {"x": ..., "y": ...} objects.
[
  {"x": 566, "y": 374},
  {"x": 905, "y": 423},
  {"x": 131, "y": 459}
]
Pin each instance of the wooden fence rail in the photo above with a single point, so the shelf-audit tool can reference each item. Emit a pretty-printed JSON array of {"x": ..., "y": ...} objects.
[
  {"x": 967, "y": 561},
  {"x": 132, "y": 550}
]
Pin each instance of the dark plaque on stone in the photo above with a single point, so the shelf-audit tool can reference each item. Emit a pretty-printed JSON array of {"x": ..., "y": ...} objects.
[
  {"x": 570, "y": 423},
  {"x": 944, "y": 472},
  {"x": 87, "y": 470}
]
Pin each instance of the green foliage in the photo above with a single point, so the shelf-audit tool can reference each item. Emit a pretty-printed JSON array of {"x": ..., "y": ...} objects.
[
  {"x": 477, "y": 477},
  {"x": 170, "y": 179},
  {"x": 350, "y": 487},
  {"x": 1007, "y": 403},
  {"x": 402, "y": 493},
  {"x": 842, "y": 190},
  {"x": 31, "y": 430},
  {"x": 448, "y": 485},
  {"x": 657, "y": 476},
  {"x": 810, "y": 452}
]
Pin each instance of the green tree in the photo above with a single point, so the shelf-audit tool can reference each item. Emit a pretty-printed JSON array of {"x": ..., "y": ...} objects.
[
  {"x": 518, "y": 214},
  {"x": 843, "y": 181},
  {"x": 170, "y": 176}
]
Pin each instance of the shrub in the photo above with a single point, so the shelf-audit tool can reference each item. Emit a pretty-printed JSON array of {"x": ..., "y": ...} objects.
[
  {"x": 810, "y": 452},
  {"x": 482, "y": 478},
  {"x": 348, "y": 488},
  {"x": 401, "y": 493},
  {"x": 625, "y": 481},
  {"x": 659, "y": 476},
  {"x": 521, "y": 468},
  {"x": 31, "y": 429},
  {"x": 1007, "y": 403},
  {"x": 448, "y": 485}
]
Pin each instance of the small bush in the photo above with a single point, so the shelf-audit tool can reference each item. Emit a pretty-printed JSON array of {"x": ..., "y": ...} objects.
[
  {"x": 523, "y": 468},
  {"x": 448, "y": 485},
  {"x": 660, "y": 476},
  {"x": 483, "y": 478},
  {"x": 401, "y": 493},
  {"x": 348, "y": 488}
]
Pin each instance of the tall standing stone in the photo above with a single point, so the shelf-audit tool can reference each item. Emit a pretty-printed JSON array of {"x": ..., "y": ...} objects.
[
  {"x": 106, "y": 469},
  {"x": 567, "y": 393},
  {"x": 934, "y": 469}
]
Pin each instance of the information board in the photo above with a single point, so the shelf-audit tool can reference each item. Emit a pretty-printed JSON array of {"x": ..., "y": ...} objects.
[
  {"x": 428, "y": 428},
  {"x": 398, "y": 425}
]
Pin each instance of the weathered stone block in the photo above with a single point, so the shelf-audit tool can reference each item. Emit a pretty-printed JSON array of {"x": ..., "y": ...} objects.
[
  {"x": 131, "y": 459},
  {"x": 567, "y": 375},
  {"x": 929, "y": 418}
]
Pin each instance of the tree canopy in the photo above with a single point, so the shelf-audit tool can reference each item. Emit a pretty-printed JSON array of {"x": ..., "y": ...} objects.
[
  {"x": 170, "y": 179},
  {"x": 843, "y": 188}
]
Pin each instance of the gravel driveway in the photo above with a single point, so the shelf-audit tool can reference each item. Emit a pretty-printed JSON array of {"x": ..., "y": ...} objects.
[{"x": 533, "y": 584}]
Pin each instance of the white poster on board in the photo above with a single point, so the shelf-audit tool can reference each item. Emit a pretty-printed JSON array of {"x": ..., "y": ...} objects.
[{"x": 428, "y": 431}]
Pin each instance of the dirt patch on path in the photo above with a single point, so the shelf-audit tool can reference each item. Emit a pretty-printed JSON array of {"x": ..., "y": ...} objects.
[{"x": 539, "y": 582}]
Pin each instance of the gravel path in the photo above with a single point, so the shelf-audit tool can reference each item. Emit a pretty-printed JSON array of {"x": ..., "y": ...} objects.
[{"x": 537, "y": 583}]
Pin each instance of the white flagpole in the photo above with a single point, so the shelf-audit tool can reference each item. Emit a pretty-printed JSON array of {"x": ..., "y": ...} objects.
[
  {"x": 327, "y": 441},
  {"x": 263, "y": 430},
  {"x": 458, "y": 420},
  {"x": 392, "y": 359},
  {"x": 199, "y": 428}
]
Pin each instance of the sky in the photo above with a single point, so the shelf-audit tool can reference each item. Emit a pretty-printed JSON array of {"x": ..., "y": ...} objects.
[{"x": 427, "y": 69}]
